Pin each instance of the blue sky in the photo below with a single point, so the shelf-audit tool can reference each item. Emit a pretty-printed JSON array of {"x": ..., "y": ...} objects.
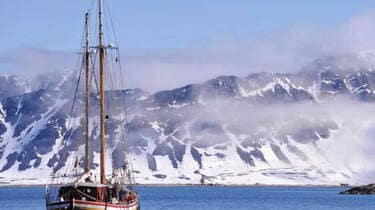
[
  {"x": 166, "y": 23},
  {"x": 168, "y": 43}
]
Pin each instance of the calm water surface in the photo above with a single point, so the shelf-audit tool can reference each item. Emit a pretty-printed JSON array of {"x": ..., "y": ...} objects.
[{"x": 213, "y": 198}]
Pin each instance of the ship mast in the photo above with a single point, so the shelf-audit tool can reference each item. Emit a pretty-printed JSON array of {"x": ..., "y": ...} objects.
[
  {"x": 102, "y": 115},
  {"x": 87, "y": 57}
]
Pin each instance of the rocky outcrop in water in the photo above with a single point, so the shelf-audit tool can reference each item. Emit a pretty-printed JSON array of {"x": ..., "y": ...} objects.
[{"x": 361, "y": 190}]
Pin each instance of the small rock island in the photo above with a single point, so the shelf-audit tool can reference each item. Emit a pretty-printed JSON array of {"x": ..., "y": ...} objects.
[{"x": 361, "y": 190}]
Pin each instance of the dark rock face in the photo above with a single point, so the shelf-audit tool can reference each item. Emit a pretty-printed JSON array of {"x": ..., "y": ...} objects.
[
  {"x": 222, "y": 86},
  {"x": 245, "y": 156},
  {"x": 3, "y": 129},
  {"x": 279, "y": 154},
  {"x": 10, "y": 106},
  {"x": 179, "y": 150},
  {"x": 11, "y": 159},
  {"x": 297, "y": 152},
  {"x": 362, "y": 190},
  {"x": 197, "y": 156},
  {"x": 256, "y": 153},
  {"x": 164, "y": 149},
  {"x": 219, "y": 155},
  {"x": 151, "y": 162},
  {"x": 187, "y": 94},
  {"x": 160, "y": 176},
  {"x": 306, "y": 135},
  {"x": 332, "y": 83}
]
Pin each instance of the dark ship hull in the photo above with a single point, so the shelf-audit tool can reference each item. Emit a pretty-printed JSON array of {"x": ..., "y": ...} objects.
[{"x": 90, "y": 196}]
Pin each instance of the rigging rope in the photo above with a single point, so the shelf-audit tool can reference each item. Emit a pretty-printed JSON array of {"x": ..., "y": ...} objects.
[
  {"x": 123, "y": 92},
  {"x": 115, "y": 100},
  {"x": 55, "y": 177}
]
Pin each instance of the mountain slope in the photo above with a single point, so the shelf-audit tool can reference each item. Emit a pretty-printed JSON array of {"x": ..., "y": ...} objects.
[{"x": 310, "y": 127}]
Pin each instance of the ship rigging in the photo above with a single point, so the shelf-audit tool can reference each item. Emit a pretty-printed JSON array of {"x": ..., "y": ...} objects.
[{"x": 84, "y": 191}]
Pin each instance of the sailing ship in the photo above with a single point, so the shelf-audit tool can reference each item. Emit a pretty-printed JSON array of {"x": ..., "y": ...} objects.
[{"x": 84, "y": 192}]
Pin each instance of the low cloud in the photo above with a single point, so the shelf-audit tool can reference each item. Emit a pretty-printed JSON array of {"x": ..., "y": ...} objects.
[
  {"x": 32, "y": 61},
  {"x": 277, "y": 51},
  {"x": 274, "y": 51},
  {"x": 349, "y": 133}
]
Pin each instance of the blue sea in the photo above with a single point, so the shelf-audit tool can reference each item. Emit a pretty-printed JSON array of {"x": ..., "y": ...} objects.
[{"x": 214, "y": 198}]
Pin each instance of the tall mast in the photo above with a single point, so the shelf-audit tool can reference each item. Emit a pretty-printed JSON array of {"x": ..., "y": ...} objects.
[
  {"x": 102, "y": 115},
  {"x": 87, "y": 57}
]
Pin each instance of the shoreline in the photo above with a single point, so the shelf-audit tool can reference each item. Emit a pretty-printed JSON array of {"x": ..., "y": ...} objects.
[{"x": 198, "y": 185}]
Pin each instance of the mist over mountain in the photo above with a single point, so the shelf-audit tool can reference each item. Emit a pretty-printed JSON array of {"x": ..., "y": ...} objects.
[{"x": 315, "y": 126}]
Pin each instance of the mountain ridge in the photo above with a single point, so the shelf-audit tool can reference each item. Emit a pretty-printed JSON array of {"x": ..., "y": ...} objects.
[{"x": 268, "y": 128}]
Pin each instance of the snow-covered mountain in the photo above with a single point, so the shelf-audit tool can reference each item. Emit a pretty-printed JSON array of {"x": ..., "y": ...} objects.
[{"x": 315, "y": 126}]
